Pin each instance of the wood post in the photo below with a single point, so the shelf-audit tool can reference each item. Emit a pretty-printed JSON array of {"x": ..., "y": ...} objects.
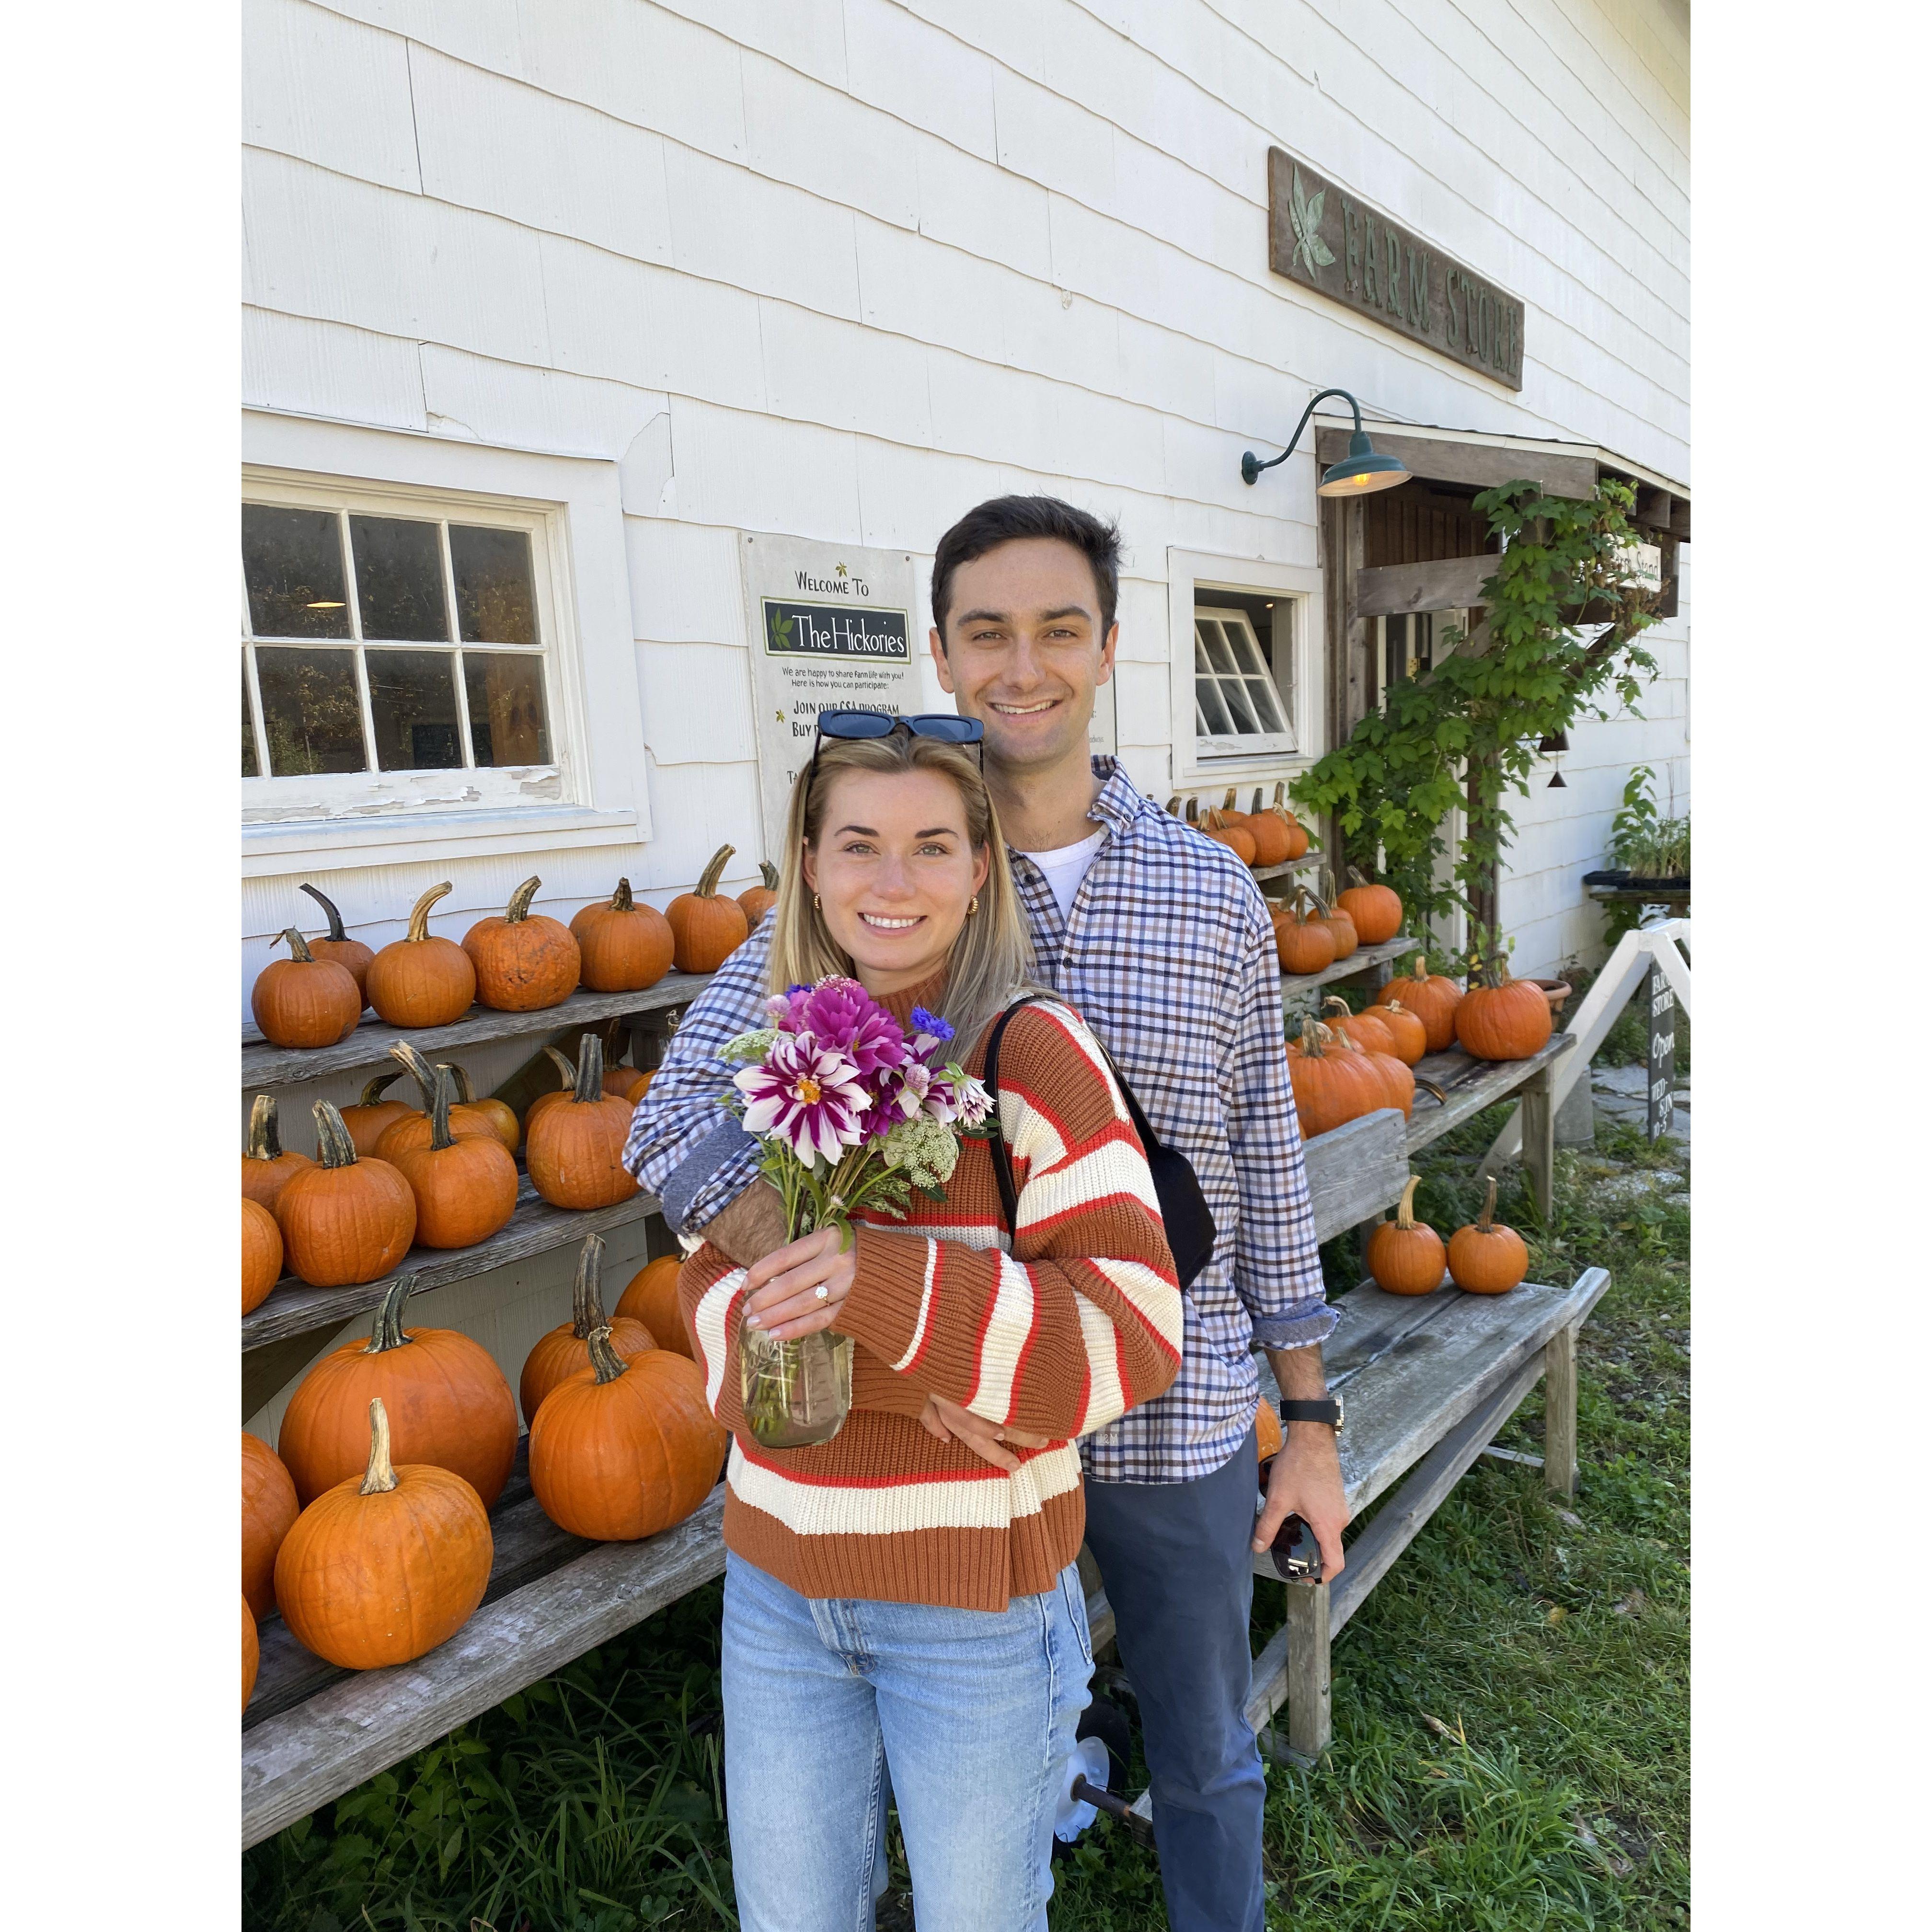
[
  {"x": 1309, "y": 1729},
  {"x": 1539, "y": 1139},
  {"x": 1559, "y": 1412}
]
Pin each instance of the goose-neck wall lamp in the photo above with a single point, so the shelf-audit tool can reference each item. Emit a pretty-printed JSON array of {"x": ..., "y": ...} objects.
[{"x": 1361, "y": 471}]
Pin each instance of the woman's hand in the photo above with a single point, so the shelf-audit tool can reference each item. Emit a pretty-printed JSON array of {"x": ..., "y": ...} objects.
[{"x": 797, "y": 1290}]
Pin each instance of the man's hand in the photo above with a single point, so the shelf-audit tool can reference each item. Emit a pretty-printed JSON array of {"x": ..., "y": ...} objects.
[
  {"x": 949, "y": 1422},
  {"x": 1306, "y": 1478},
  {"x": 750, "y": 1226}
]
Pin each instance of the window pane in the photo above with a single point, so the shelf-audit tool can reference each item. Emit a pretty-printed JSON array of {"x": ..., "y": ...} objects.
[
  {"x": 1238, "y": 707},
  {"x": 1208, "y": 698},
  {"x": 1260, "y": 695},
  {"x": 293, "y": 561},
  {"x": 1221, "y": 658},
  {"x": 507, "y": 723},
  {"x": 413, "y": 698},
  {"x": 309, "y": 705},
  {"x": 250, "y": 767},
  {"x": 399, "y": 578},
  {"x": 495, "y": 596}
]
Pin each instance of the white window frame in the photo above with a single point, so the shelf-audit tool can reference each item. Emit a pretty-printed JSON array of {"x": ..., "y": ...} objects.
[{"x": 1211, "y": 744}]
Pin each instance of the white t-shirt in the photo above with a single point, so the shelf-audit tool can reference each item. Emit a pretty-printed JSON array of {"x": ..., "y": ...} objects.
[{"x": 1065, "y": 867}]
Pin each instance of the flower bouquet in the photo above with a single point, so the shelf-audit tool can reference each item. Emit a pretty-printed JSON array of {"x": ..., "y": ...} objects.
[{"x": 851, "y": 1113}]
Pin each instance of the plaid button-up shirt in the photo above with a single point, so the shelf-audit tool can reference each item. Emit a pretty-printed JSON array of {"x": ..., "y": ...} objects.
[{"x": 1169, "y": 956}]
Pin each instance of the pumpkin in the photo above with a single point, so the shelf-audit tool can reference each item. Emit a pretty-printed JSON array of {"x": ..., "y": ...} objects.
[
  {"x": 414, "y": 1128},
  {"x": 1503, "y": 1018},
  {"x": 386, "y": 1565},
  {"x": 1376, "y": 909},
  {"x": 336, "y": 944},
  {"x": 261, "y": 1254},
  {"x": 1397, "y": 1081},
  {"x": 630, "y": 1084},
  {"x": 447, "y": 1399},
  {"x": 524, "y": 960},
  {"x": 265, "y": 1168},
  {"x": 465, "y": 1190},
  {"x": 1297, "y": 833},
  {"x": 574, "y": 1149},
  {"x": 348, "y": 1220},
  {"x": 268, "y": 1506},
  {"x": 1408, "y": 1036},
  {"x": 1486, "y": 1258},
  {"x": 1333, "y": 1083},
  {"x": 1405, "y": 1256},
  {"x": 545, "y": 1101},
  {"x": 625, "y": 947},
  {"x": 420, "y": 980},
  {"x": 560, "y": 1354},
  {"x": 304, "y": 1001},
  {"x": 1268, "y": 1437},
  {"x": 1431, "y": 998},
  {"x": 251, "y": 1653},
  {"x": 501, "y": 1115},
  {"x": 1365, "y": 1029},
  {"x": 1224, "y": 831},
  {"x": 758, "y": 900},
  {"x": 1269, "y": 830},
  {"x": 705, "y": 929},
  {"x": 1303, "y": 943},
  {"x": 372, "y": 1115},
  {"x": 651, "y": 1297},
  {"x": 622, "y": 1449},
  {"x": 1347, "y": 940}
]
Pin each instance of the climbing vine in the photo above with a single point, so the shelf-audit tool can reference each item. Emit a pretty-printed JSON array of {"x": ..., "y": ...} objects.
[{"x": 1559, "y": 640}]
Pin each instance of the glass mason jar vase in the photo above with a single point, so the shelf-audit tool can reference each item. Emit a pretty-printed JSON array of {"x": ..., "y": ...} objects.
[{"x": 795, "y": 1392}]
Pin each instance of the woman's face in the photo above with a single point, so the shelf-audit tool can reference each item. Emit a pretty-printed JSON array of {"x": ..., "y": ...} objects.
[{"x": 894, "y": 871}]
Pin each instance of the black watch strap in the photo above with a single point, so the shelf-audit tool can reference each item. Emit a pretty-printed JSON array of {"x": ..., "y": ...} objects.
[{"x": 1328, "y": 1410}]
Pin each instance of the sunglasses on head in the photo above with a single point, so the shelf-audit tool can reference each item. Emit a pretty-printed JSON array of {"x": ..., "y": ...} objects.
[{"x": 946, "y": 726}]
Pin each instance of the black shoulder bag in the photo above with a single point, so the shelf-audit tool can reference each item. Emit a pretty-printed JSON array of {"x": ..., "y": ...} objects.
[{"x": 1183, "y": 1208}]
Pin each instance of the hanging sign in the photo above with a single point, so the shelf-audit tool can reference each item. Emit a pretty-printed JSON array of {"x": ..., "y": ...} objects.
[
  {"x": 1320, "y": 236},
  {"x": 831, "y": 626}
]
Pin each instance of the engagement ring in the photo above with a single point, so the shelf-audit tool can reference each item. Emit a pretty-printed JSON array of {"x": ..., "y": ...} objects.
[{"x": 822, "y": 1291}]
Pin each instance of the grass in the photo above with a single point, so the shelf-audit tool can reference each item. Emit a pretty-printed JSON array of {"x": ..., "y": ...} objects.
[{"x": 1510, "y": 1705}]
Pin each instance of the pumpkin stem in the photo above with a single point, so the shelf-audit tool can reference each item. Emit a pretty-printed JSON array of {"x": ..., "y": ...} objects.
[
  {"x": 1422, "y": 967},
  {"x": 440, "y": 1137},
  {"x": 1405, "y": 1213},
  {"x": 299, "y": 948},
  {"x": 605, "y": 1359},
  {"x": 419, "y": 1068},
  {"x": 1254, "y": 810},
  {"x": 419, "y": 912},
  {"x": 1355, "y": 878},
  {"x": 385, "y": 1332},
  {"x": 1336, "y": 1004},
  {"x": 518, "y": 909},
  {"x": 459, "y": 1079},
  {"x": 1173, "y": 807},
  {"x": 327, "y": 906},
  {"x": 621, "y": 900},
  {"x": 769, "y": 873},
  {"x": 1434, "y": 1093},
  {"x": 589, "y": 1070},
  {"x": 264, "y": 1129},
  {"x": 332, "y": 1138},
  {"x": 379, "y": 1478},
  {"x": 1228, "y": 803},
  {"x": 714, "y": 870},
  {"x": 372, "y": 1092},
  {"x": 586, "y": 1307},
  {"x": 1486, "y": 1218}
]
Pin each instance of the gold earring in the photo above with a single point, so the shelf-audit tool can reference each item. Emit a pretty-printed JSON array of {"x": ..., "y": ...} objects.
[
  {"x": 818, "y": 904},
  {"x": 972, "y": 905}
]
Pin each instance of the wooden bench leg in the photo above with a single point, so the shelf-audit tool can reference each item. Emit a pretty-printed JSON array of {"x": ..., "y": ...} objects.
[
  {"x": 1307, "y": 1633},
  {"x": 1559, "y": 1412},
  {"x": 1539, "y": 1140}
]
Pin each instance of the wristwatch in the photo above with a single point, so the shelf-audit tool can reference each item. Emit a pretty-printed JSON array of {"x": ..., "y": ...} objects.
[{"x": 1328, "y": 1410}]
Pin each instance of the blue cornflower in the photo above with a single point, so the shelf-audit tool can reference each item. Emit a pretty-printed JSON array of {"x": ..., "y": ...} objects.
[{"x": 926, "y": 1022}]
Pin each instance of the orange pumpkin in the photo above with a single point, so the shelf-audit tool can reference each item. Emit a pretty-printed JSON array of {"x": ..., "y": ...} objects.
[
  {"x": 1408, "y": 1037},
  {"x": 261, "y": 1254},
  {"x": 1508, "y": 1019},
  {"x": 756, "y": 901},
  {"x": 465, "y": 1189},
  {"x": 449, "y": 1403},
  {"x": 1347, "y": 940},
  {"x": 336, "y": 944},
  {"x": 1431, "y": 998},
  {"x": 651, "y": 1297},
  {"x": 625, "y": 947},
  {"x": 1486, "y": 1258},
  {"x": 1405, "y": 1255},
  {"x": 524, "y": 961},
  {"x": 543, "y": 1102},
  {"x": 269, "y": 1506},
  {"x": 1275, "y": 830},
  {"x": 303, "y": 1001},
  {"x": 1222, "y": 829},
  {"x": 386, "y": 1564},
  {"x": 705, "y": 929},
  {"x": 501, "y": 1115},
  {"x": 1376, "y": 909},
  {"x": 348, "y": 1220},
  {"x": 251, "y": 1653},
  {"x": 266, "y": 1169},
  {"x": 630, "y": 1084},
  {"x": 414, "y": 1128},
  {"x": 559, "y": 1354},
  {"x": 623, "y": 1449},
  {"x": 1303, "y": 943},
  {"x": 372, "y": 1115},
  {"x": 574, "y": 1149},
  {"x": 1268, "y": 1437},
  {"x": 1333, "y": 1083},
  {"x": 420, "y": 980},
  {"x": 1365, "y": 1029}
]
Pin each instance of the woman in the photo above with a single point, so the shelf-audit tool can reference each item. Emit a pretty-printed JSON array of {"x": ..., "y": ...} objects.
[{"x": 895, "y": 1607}]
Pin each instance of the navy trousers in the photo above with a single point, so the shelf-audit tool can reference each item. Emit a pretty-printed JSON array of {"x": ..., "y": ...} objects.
[{"x": 1174, "y": 1559}]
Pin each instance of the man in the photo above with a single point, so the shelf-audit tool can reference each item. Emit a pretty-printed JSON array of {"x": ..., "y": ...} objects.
[{"x": 1160, "y": 939}]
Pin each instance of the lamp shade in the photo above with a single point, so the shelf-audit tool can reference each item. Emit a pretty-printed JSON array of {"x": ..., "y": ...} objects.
[{"x": 1361, "y": 471}]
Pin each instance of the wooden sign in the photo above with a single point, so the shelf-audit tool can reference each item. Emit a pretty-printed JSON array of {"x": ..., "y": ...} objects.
[{"x": 1321, "y": 235}]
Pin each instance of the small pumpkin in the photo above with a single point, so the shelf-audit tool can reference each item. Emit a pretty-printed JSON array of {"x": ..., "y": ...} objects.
[
  {"x": 1486, "y": 1258},
  {"x": 1502, "y": 1018},
  {"x": 266, "y": 1168},
  {"x": 269, "y": 1506},
  {"x": 1223, "y": 829},
  {"x": 1347, "y": 939},
  {"x": 1333, "y": 1084},
  {"x": 625, "y": 947},
  {"x": 501, "y": 1115},
  {"x": 622, "y": 1449},
  {"x": 261, "y": 1254},
  {"x": 574, "y": 1149},
  {"x": 348, "y": 1220},
  {"x": 420, "y": 980},
  {"x": 630, "y": 1084},
  {"x": 303, "y": 1001},
  {"x": 1406, "y": 1256},
  {"x": 525, "y": 960},
  {"x": 558, "y": 1355},
  {"x": 447, "y": 1398},
  {"x": 1303, "y": 942},
  {"x": 543, "y": 1102},
  {"x": 1269, "y": 830},
  {"x": 1365, "y": 1029},
  {"x": 651, "y": 1297},
  {"x": 705, "y": 929},
  {"x": 1268, "y": 1437},
  {"x": 758, "y": 900},
  {"x": 414, "y": 1129},
  {"x": 465, "y": 1189},
  {"x": 372, "y": 1115},
  {"x": 251, "y": 1653},
  {"x": 336, "y": 944},
  {"x": 1297, "y": 833},
  {"x": 1431, "y": 998},
  {"x": 386, "y": 1565},
  {"x": 1408, "y": 1037},
  {"x": 1376, "y": 909}
]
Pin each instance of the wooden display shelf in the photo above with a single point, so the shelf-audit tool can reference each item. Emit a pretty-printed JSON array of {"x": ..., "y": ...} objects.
[
  {"x": 1287, "y": 867},
  {"x": 1363, "y": 959},
  {"x": 1472, "y": 1084}
]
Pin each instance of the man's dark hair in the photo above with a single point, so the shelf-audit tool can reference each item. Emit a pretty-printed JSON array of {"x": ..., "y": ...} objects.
[{"x": 1003, "y": 519}]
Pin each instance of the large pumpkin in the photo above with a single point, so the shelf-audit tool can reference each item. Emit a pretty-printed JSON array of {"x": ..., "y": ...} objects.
[
  {"x": 465, "y": 1190},
  {"x": 625, "y": 947},
  {"x": 266, "y": 1167},
  {"x": 251, "y": 1653},
  {"x": 261, "y": 1254},
  {"x": 1376, "y": 909},
  {"x": 705, "y": 929},
  {"x": 1408, "y": 1037},
  {"x": 756, "y": 901},
  {"x": 1333, "y": 1083},
  {"x": 448, "y": 1402},
  {"x": 420, "y": 980},
  {"x": 1405, "y": 1255},
  {"x": 304, "y": 1001},
  {"x": 413, "y": 1129},
  {"x": 347, "y": 1220},
  {"x": 269, "y": 1505},
  {"x": 1486, "y": 1258},
  {"x": 559, "y": 1354},
  {"x": 574, "y": 1149},
  {"x": 524, "y": 960},
  {"x": 501, "y": 1115},
  {"x": 623, "y": 1449},
  {"x": 1431, "y": 998},
  {"x": 651, "y": 1297},
  {"x": 1224, "y": 829},
  {"x": 386, "y": 1565},
  {"x": 1508, "y": 1020},
  {"x": 1303, "y": 942},
  {"x": 372, "y": 1116},
  {"x": 336, "y": 944}
]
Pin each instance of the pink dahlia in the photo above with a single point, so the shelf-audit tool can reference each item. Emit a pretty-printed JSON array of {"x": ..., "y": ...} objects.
[
  {"x": 843, "y": 1014},
  {"x": 806, "y": 1095}
]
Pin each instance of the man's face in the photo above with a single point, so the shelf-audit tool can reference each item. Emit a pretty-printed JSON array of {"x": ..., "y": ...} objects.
[{"x": 1023, "y": 651}]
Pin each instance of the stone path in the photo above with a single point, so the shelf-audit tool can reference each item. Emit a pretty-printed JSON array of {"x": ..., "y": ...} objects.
[{"x": 1619, "y": 1093}]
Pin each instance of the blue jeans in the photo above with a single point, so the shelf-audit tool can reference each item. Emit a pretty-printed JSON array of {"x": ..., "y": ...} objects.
[
  {"x": 972, "y": 1714},
  {"x": 1174, "y": 1559}
]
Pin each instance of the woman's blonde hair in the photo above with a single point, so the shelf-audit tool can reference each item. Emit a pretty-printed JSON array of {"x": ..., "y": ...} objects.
[{"x": 991, "y": 960}]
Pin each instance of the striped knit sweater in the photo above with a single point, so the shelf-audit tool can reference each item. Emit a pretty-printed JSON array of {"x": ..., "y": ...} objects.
[{"x": 1082, "y": 1321}]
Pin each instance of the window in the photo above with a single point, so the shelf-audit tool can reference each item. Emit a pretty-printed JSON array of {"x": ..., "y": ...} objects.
[
  {"x": 385, "y": 638},
  {"x": 1408, "y": 645},
  {"x": 1243, "y": 685}
]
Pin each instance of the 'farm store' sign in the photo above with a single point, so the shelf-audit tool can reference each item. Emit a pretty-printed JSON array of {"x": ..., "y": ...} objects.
[{"x": 1320, "y": 236}]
